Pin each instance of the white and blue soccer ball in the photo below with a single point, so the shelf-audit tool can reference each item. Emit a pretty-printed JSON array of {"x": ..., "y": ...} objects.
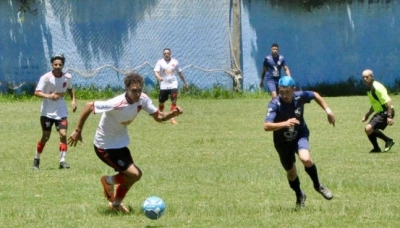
[{"x": 153, "y": 207}]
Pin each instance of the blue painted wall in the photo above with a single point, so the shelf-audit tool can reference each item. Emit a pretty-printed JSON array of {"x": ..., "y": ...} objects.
[{"x": 329, "y": 44}]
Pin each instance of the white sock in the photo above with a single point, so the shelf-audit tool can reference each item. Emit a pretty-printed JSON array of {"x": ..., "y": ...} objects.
[
  {"x": 37, "y": 155},
  {"x": 111, "y": 180},
  {"x": 62, "y": 156}
]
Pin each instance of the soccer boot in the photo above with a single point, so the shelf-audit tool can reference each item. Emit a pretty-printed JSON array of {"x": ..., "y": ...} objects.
[
  {"x": 63, "y": 165},
  {"x": 325, "y": 192},
  {"x": 36, "y": 163},
  {"x": 118, "y": 208},
  {"x": 301, "y": 201},
  {"x": 388, "y": 145},
  {"x": 173, "y": 121}
]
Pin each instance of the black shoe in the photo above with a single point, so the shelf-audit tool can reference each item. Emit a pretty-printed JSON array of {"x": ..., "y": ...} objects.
[
  {"x": 64, "y": 165},
  {"x": 376, "y": 150},
  {"x": 36, "y": 163},
  {"x": 389, "y": 145},
  {"x": 325, "y": 192},
  {"x": 301, "y": 201}
]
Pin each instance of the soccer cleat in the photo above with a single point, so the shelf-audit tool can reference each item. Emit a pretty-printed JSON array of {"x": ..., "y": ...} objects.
[
  {"x": 118, "y": 208},
  {"x": 389, "y": 145},
  {"x": 36, "y": 163},
  {"x": 108, "y": 189},
  {"x": 376, "y": 150},
  {"x": 63, "y": 165},
  {"x": 301, "y": 201},
  {"x": 325, "y": 192},
  {"x": 173, "y": 121}
]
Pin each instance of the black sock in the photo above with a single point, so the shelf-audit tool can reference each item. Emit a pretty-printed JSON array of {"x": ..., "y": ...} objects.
[
  {"x": 372, "y": 139},
  {"x": 313, "y": 173},
  {"x": 295, "y": 185},
  {"x": 380, "y": 135}
]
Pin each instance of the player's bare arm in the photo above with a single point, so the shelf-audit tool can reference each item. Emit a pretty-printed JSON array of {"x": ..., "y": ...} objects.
[
  {"x": 183, "y": 80},
  {"x": 157, "y": 75},
  {"x": 389, "y": 113},
  {"x": 76, "y": 135},
  {"x": 366, "y": 116},
  {"x": 262, "y": 76},
  {"x": 287, "y": 71},
  {"x": 321, "y": 102},
  {"x": 269, "y": 126},
  {"x": 71, "y": 93},
  {"x": 51, "y": 96},
  {"x": 162, "y": 116}
]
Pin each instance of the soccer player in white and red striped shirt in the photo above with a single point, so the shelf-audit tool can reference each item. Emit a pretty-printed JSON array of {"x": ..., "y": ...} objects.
[
  {"x": 52, "y": 87},
  {"x": 111, "y": 138}
]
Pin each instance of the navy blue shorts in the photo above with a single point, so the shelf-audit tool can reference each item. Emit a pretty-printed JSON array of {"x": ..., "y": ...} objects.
[
  {"x": 287, "y": 150},
  {"x": 271, "y": 85}
]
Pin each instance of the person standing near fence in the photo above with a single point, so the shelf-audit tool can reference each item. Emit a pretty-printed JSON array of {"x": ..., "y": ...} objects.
[
  {"x": 111, "y": 138},
  {"x": 165, "y": 71},
  {"x": 52, "y": 88},
  {"x": 381, "y": 104},
  {"x": 271, "y": 71},
  {"x": 285, "y": 117}
]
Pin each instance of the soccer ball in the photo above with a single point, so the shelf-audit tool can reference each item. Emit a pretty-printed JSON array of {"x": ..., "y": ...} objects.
[{"x": 153, "y": 207}]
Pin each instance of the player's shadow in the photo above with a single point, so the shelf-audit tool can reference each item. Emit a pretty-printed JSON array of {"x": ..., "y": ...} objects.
[{"x": 107, "y": 211}]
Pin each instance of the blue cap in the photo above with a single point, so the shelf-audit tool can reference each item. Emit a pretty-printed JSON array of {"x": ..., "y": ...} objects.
[{"x": 286, "y": 81}]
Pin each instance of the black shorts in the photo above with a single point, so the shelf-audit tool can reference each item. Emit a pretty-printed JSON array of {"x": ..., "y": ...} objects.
[
  {"x": 118, "y": 159},
  {"x": 379, "y": 120},
  {"x": 287, "y": 150},
  {"x": 164, "y": 94},
  {"x": 47, "y": 123}
]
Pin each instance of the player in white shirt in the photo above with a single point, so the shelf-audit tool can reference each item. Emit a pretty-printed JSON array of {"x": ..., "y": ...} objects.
[
  {"x": 111, "y": 138},
  {"x": 165, "y": 71},
  {"x": 52, "y": 87}
]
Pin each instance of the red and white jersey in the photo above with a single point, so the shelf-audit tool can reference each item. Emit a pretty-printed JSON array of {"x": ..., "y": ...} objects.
[
  {"x": 112, "y": 132},
  {"x": 168, "y": 70},
  {"x": 48, "y": 83}
]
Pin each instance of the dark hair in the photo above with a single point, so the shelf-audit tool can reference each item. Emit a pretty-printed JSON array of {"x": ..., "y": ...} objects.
[
  {"x": 60, "y": 57},
  {"x": 275, "y": 45},
  {"x": 167, "y": 49},
  {"x": 133, "y": 78}
]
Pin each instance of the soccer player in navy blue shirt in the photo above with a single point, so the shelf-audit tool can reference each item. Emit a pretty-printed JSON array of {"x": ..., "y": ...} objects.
[
  {"x": 290, "y": 134},
  {"x": 271, "y": 71}
]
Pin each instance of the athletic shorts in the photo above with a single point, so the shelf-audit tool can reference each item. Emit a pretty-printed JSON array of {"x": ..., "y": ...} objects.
[
  {"x": 271, "y": 85},
  {"x": 287, "y": 150},
  {"x": 379, "y": 120},
  {"x": 118, "y": 159},
  {"x": 164, "y": 94},
  {"x": 47, "y": 123}
]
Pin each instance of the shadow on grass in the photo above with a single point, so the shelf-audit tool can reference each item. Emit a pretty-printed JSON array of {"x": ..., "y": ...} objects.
[{"x": 107, "y": 211}]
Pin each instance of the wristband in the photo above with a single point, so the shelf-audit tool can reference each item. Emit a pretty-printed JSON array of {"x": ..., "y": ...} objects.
[
  {"x": 389, "y": 116},
  {"x": 328, "y": 111}
]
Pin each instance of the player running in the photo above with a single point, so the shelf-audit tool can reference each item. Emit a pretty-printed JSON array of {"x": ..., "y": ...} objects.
[
  {"x": 111, "y": 138},
  {"x": 285, "y": 118}
]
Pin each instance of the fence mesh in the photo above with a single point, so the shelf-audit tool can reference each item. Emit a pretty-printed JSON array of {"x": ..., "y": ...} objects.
[{"x": 103, "y": 40}]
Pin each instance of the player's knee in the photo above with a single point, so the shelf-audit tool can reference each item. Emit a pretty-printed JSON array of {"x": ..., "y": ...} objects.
[{"x": 369, "y": 129}]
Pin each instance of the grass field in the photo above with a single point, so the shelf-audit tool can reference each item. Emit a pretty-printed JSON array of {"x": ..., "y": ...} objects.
[{"x": 217, "y": 168}]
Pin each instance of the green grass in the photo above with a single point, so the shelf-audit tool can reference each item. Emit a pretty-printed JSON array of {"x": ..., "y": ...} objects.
[{"x": 216, "y": 168}]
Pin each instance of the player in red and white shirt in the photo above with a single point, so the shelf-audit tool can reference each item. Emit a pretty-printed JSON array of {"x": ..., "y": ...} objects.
[
  {"x": 111, "y": 138},
  {"x": 165, "y": 71},
  {"x": 52, "y": 87}
]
